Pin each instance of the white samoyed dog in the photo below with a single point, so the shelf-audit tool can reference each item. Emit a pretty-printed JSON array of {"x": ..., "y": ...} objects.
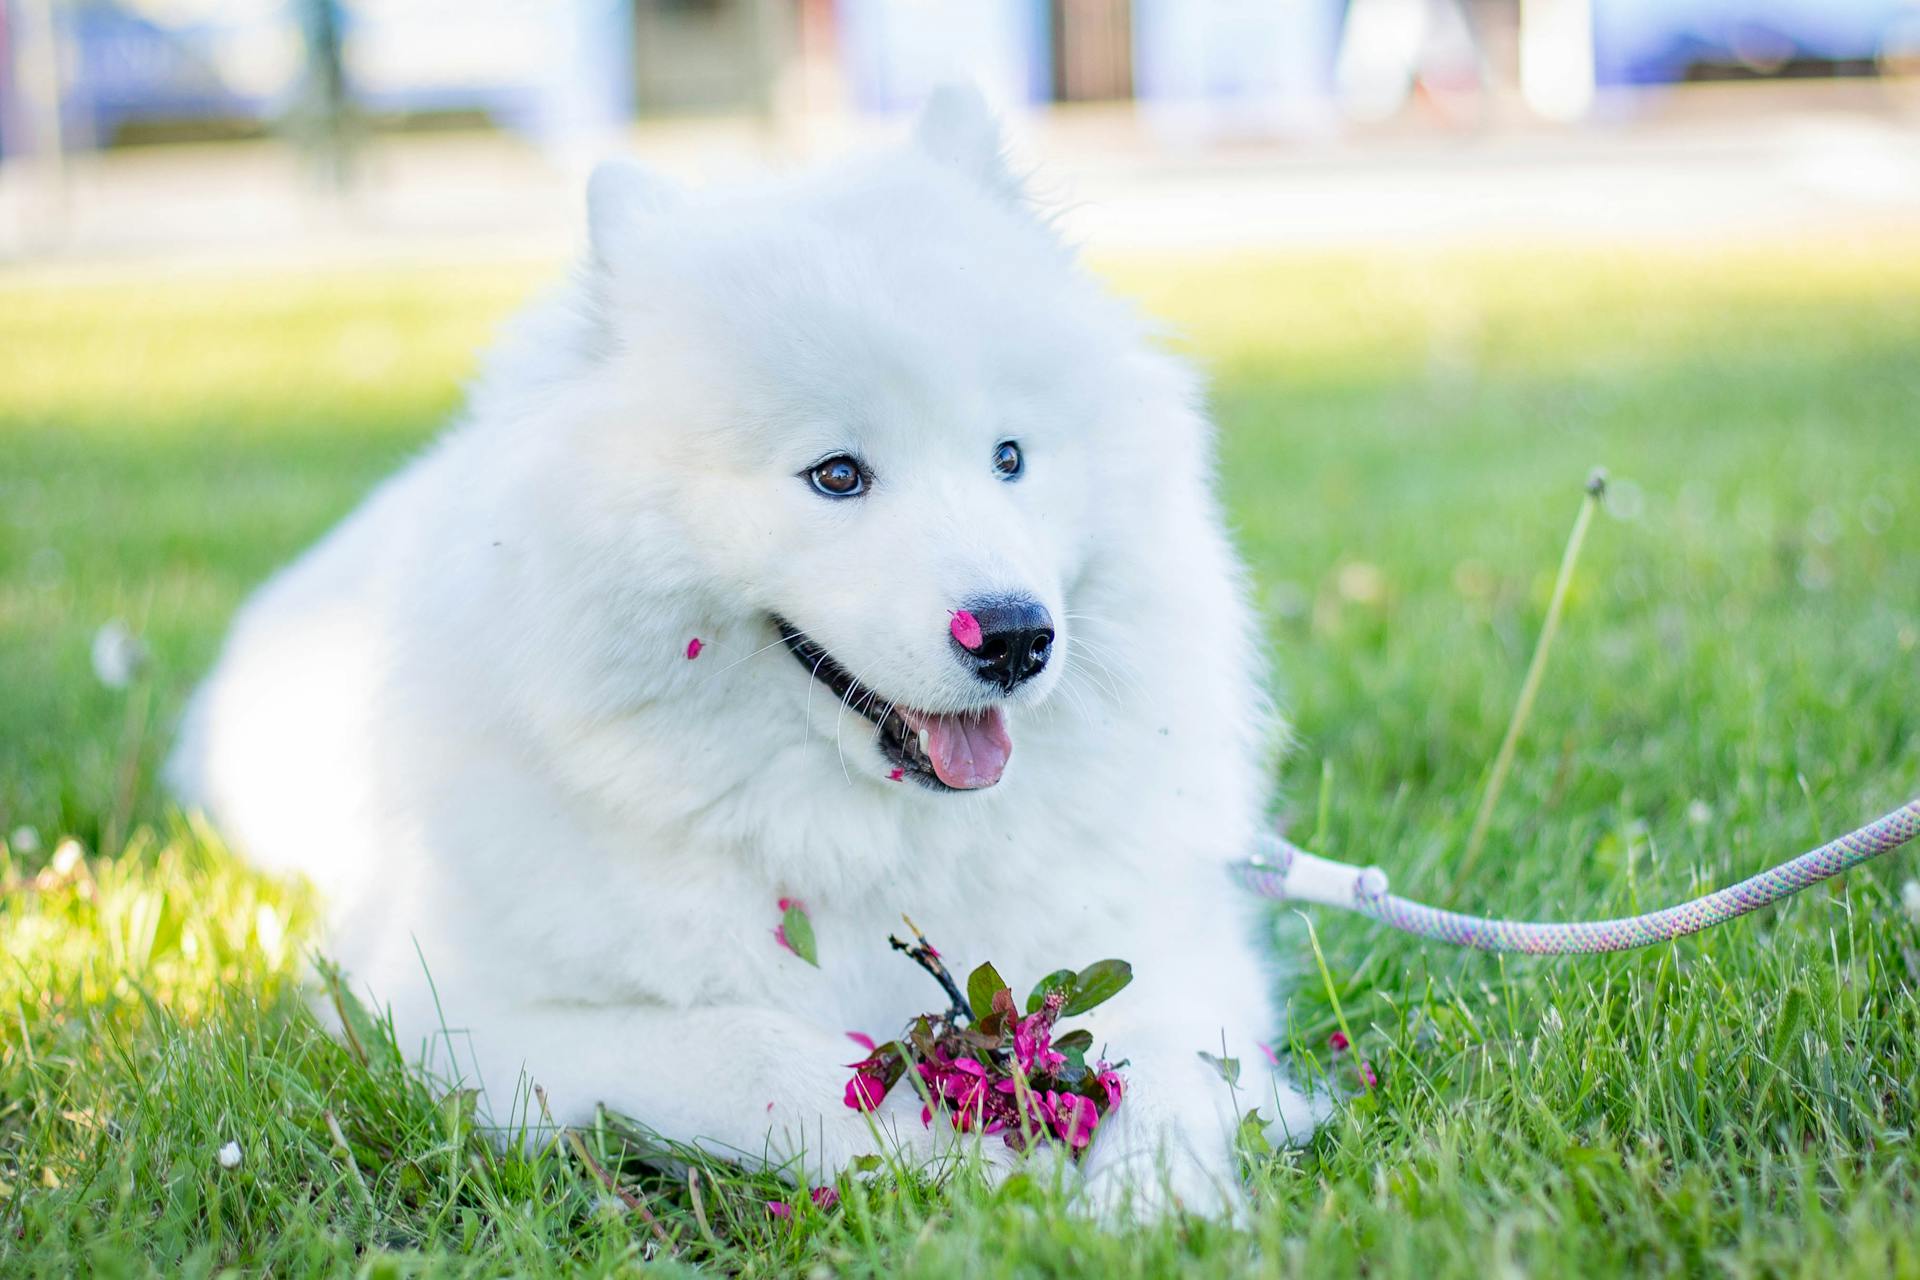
[{"x": 811, "y": 425}]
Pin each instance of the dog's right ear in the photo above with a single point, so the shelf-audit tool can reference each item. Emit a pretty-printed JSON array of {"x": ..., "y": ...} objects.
[
  {"x": 621, "y": 197},
  {"x": 958, "y": 129}
]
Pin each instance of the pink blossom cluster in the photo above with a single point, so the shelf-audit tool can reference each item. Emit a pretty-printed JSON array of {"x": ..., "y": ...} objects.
[{"x": 1005, "y": 1077}]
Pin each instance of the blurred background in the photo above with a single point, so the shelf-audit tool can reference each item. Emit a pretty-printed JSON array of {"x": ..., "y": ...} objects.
[{"x": 308, "y": 127}]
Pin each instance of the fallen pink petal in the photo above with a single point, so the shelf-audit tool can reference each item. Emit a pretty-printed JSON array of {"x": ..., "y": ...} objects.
[
  {"x": 966, "y": 629},
  {"x": 1273, "y": 1059},
  {"x": 862, "y": 1039},
  {"x": 693, "y": 648},
  {"x": 896, "y": 775}
]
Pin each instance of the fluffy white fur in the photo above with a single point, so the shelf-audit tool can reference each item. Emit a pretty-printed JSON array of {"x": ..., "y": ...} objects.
[{"x": 467, "y": 714}]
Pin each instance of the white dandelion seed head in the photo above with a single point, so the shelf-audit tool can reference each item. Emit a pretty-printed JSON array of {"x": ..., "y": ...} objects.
[
  {"x": 118, "y": 655},
  {"x": 229, "y": 1156},
  {"x": 1910, "y": 900},
  {"x": 24, "y": 840}
]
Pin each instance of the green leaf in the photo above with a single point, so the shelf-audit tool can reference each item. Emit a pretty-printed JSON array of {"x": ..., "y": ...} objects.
[
  {"x": 982, "y": 985},
  {"x": 1096, "y": 984},
  {"x": 798, "y": 931},
  {"x": 1229, "y": 1068},
  {"x": 866, "y": 1163},
  {"x": 1078, "y": 1040},
  {"x": 1058, "y": 980},
  {"x": 1251, "y": 1137}
]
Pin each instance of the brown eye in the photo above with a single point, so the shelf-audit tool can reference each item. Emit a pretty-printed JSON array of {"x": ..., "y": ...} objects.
[
  {"x": 1007, "y": 460},
  {"x": 838, "y": 477}
]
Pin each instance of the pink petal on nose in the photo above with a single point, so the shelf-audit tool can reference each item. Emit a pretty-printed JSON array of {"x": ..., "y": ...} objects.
[
  {"x": 693, "y": 648},
  {"x": 966, "y": 629}
]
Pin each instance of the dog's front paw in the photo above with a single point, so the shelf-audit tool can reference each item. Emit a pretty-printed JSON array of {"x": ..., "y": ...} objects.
[
  {"x": 1158, "y": 1183},
  {"x": 1151, "y": 1160}
]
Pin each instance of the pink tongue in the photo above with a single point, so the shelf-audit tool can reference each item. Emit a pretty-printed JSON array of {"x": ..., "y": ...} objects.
[{"x": 968, "y": 751}]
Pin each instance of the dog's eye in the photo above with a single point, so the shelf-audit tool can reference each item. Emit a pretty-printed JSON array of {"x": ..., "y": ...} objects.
[
  {"x": 1007, "y": 461},
  {"x": 838, "y": 477}
]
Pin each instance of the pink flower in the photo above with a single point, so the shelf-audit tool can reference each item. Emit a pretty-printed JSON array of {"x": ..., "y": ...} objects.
[
  {"x": 1074, "y": 1117},
  {"x": 1338, "y": 1041},
  {"x": 693, "y": 648},
  {"x": 825, "y": 1198},
  {"x": 896, "y": 775},
  {"x": 779, "y": 1209},
  {"x": 1026, "y": 1112},
  {"x": 1033, "y": 1043},
  {"x": 865, "y": 1091},
  {"x": 1366, "y": 1073},
  {"x": 965, "y": 1088},
  {"x": 1110, "y": 1081},
  {"x": 966, "y": 629}
]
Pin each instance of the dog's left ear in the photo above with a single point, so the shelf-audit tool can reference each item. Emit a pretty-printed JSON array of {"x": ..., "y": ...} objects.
[
  {"x": 621, "y": 196},
  {"x": 958, "y": 129}
]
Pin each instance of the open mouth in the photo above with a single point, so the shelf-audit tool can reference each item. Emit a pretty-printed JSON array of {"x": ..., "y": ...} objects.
[{"x": 949, "y": 751}]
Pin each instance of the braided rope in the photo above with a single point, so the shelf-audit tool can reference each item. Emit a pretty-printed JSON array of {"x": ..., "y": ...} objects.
[{"x": 1369, "y": 897}]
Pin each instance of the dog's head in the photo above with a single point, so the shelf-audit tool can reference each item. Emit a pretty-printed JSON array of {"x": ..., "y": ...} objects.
[{"x": 879, "y": 408}]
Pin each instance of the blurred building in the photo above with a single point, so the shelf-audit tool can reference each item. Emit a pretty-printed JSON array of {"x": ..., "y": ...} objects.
[{"x": 109, "y": 71}]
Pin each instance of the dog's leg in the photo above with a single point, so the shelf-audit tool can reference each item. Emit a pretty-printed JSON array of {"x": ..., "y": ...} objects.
[
  {"x": 1170, "y": 1143},
  {"x": 754, "y": 1086}
]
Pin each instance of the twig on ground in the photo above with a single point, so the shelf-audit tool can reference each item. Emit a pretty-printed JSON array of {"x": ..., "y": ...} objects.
[
  {"x": 631, "y": 1199},
  {"x": 923, "y": 954},
  {"x": 700, "y": 1207}
]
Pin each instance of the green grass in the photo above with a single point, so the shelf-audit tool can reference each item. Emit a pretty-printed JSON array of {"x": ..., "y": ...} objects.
[{"x": 1405, "y": 438}]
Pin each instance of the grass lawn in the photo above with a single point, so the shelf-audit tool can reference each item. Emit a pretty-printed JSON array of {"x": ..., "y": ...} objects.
[{"x": 1404, "y": 440}]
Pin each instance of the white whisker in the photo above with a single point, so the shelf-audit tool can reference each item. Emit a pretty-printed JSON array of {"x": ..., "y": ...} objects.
[
  {"x": 856, "y": 685},
  {"x": 806, "y": 721},
  {"x": 780, "y": 640}
]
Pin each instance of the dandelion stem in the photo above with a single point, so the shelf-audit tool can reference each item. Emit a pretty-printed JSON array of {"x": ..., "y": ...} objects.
[{"x": 1536, "y": 672}]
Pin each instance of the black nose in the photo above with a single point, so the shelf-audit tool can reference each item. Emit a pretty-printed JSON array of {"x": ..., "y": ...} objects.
[{"x": 1016, "y": 638}]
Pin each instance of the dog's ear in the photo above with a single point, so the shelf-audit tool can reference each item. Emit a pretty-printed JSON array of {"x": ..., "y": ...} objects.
[
  {"x": 958, "y": 129},
  {"x": 621, "y": 196}
]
